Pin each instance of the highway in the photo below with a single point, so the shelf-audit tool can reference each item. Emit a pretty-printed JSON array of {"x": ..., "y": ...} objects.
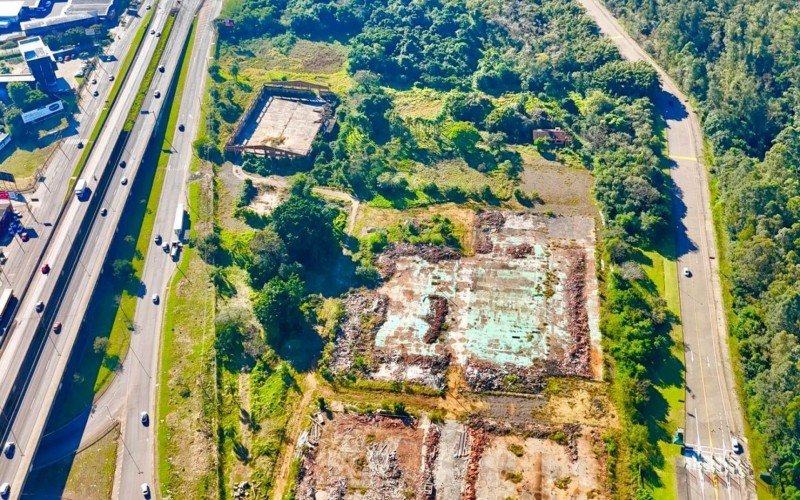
[
  {"x": 66, "y": 297},
  {"x": 709, "y": 468},
  {"x": 141, "y": 377}
]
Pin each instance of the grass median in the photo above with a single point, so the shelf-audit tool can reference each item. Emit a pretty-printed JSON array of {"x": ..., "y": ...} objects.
[{"x": 104, "y": 341}]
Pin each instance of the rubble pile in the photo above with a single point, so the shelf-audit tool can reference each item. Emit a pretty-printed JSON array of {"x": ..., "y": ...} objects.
[
  {"x": 478, "y": 439},
  {"x": 386, "y": 476},
  {"x": 387, "y": 261},
  {"x": 485, "y": 224},
  {"x": 430, "y": 451},
  {"x": 484, "y": 376},
  {"x": 577, "y": 358},
  {"x": 365, "y": 312},
  {"x": 430, "y": 371},
  {"x": 520, "y": 251},
  {"x": 435, "y": 318}
]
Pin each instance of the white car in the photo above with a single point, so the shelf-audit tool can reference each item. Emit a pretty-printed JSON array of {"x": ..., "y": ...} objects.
[
  {"x": 123, "y": 181},
  {"x": 155, "y": 298},
  {"x": 736, "y": 445},
  {"x": 5, "y": 490},
  {"x": 145, "y": 489},
  {"x": 687, "y": 272},
  {"x": 8, "y": 449}
]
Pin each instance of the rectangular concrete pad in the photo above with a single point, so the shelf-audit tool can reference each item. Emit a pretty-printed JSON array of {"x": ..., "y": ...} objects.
[{"x": 285, "y": 124}]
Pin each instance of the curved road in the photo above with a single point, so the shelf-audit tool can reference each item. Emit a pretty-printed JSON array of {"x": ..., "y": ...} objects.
[{"x": 709, "y": 468}]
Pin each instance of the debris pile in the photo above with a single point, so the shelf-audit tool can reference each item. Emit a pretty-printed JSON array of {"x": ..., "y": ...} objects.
[
  {"x": 520, "y": 251},
  {"x": 419, "y": 369},
  {"x": 485, "y": 224},
  {"x": 365, "y": 312},
  {"x": 241, "y": 490},
  {"x": 386, "y": 477},
  {"x": 577, "y": 358},
  {"x": 478, "y": 439},
  {"x": 484, "y": 376},
  {"x": 387, "y": 261},
  {"x": 435, "y": 318},
  {"x": 430, "y": 451}
]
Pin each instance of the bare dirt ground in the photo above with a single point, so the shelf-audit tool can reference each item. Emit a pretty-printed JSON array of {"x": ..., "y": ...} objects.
[{"x": 531, "y": 468}]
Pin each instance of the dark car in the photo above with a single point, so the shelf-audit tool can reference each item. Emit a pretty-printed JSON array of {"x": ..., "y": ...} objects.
[
  {"x": 39, "y": 306},
  {"x": 45, "y": 268},
  {"x": 181, "y": 127},
  {"x": 57, "y": 327}
]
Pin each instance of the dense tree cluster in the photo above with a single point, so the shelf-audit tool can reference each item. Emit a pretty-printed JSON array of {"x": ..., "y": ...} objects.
[{"x": 741, "y": 60}]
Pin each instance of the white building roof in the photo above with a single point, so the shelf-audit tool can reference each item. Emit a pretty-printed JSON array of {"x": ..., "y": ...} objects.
[{"x": 10, "y": 8}]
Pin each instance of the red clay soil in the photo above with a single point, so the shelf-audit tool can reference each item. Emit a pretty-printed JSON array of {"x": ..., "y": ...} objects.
[
  {"x": 435, "y": 318},
  {"x": 578, "y": 356},
  {"x": 485, "y": 224},
  {"x": 426, "y": 489},
  {"x": 520, "y": 251},
  {"x": 478, "y": 439},
  {"x": 387, "y": 261}
]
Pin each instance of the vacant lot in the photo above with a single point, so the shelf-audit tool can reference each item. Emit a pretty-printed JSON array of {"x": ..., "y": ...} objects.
[{"x": 523, "y": 306}]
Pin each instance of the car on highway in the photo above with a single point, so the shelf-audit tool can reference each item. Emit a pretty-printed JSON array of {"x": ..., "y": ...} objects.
[
  {"x": 156, "y": 94},
  {"x": 39, "y": 306},
  {"x": 736, "y": 445},
  {"x": 24, "y": 236},
  {"x": 95, "y": 93},
  {"x": 157, "y": 239},
  {"x": 57, "y": 327},
  {"x": 687, "y": 272},
  {"x": 45, "y": 268},
  {"x": 155, "y": 298},
  {"x": 161, "y": 69},
  {"x": 80, "y": 145},
  {"x": 146, "y": 490},
  {"x": 123, "y": 181},
  {"x": 165, "y": 247},
  {"x": 149, "y": 7},
  {"x": 94, "y": 81},
  {"x": 158, "y": 34},
  {"x": 152, "y": 32},
  {"x": 110, "y": 78},
  {"x": 8, "y": 449},
  {"x": 145, "y": 418},
  {"x": 123, "y": 164},
  {"x": 181, "y": 127},
  {"x": 5, "y": 490},
  {"x": 103, "y": 212}
]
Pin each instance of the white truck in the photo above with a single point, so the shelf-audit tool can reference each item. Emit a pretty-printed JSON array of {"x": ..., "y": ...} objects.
[
  {"x": 80, "y": 188},
  {"x": 178, "y": 226}
]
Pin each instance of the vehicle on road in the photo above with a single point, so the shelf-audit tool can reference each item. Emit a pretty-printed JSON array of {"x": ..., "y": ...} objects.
[
  {"x": 181, "y": 127},
  {"x": 146, "y": 490},
  {"x": 5, "y": 299},
  {"x": 158, "y": 34},
  {"x": 161, "y": 69},
  {"x": 8, "y": 449},
  {"x": 144, "y": 417},
  {"x": 149, "y": 7},
  {"x": 156, "y": 94},
  {"x": 155, "y": 298},
  {"x": 177, "y": 226},
  {"x": 123, "y": 164},
  {"x": 80, "y": 188},
  {"x": 45, "y": 268},
  {"x": 5, "y": 490},
  {"x": 736, "y": 445},
  {"x": 687, "y": 272},
  {"x": 152, "y": 32},
  {"x": 165, "y": 247},
  {"x": 110, "y": 78},
  {"x": 57, "y": 327},
  {"x": 80, "y": 145},
  {"x": 103, "y": 212},
  {"x": 123, "y": 181},
  {"x": 24, "y": 236},
  {"x": 157, "y": 239},
  {"x": 39, "y": 306},
  {"x": 95, "y": 93},
  {"x": 94, "y": 81}
]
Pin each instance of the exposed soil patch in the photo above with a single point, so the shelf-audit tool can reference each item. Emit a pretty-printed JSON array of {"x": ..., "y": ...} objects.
[{"x": 435, "y": 318}]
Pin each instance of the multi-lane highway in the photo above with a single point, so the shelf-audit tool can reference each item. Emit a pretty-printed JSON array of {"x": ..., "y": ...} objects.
[
  {"x": 67, "y": 289},
  {"x": 710, "y": 468}
]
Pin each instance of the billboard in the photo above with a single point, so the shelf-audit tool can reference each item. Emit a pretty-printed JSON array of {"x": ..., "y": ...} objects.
[{"x": 43, "y": 112}]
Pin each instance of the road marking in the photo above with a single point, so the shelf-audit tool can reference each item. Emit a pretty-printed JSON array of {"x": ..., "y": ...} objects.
[{"x": 679, "y": 157}]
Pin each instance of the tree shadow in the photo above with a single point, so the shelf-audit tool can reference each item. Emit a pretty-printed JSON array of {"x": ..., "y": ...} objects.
[{"x": 302, "y": 351}]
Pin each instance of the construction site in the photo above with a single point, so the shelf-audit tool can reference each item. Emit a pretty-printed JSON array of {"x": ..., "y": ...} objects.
[
  {"x": 347, "y": 455},
  {"x": 522, "y": 305},
  {"x": 284, "y": 120}
]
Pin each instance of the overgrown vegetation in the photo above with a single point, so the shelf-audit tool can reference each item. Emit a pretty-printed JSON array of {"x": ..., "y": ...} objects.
[{"x": 739, "y": 59}]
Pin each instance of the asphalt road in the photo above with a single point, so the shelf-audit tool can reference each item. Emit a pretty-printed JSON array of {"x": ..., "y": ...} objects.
[
  {"x": 709, "y": 467},
  {"x": 136, "y": 460},
  {"x": 67, "y": 304}
]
